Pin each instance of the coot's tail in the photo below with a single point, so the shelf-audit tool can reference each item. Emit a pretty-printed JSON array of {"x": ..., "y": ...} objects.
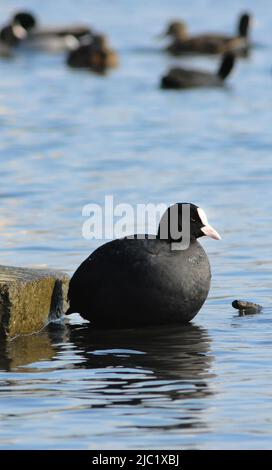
[{"x": 226, "y": 66}]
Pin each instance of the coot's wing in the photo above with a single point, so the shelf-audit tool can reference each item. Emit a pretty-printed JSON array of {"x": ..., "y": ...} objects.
[
  {"x": 108, "y": 266},
  {"x": 87, "y": 277}
]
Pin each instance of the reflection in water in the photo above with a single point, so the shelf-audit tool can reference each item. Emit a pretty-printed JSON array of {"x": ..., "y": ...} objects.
[
  {"x": 152, "y": 372},
  {"x": 24, "y": 350},
  {"x": 171, "y": 353},
  {"x": 154, "y": 367}
]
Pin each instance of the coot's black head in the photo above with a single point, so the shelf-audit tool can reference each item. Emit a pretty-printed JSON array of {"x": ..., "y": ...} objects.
[
  {"x": 24, "y": 20},
  {"x": 244, "y": 24},
  {"x": 185, "y": 218}
]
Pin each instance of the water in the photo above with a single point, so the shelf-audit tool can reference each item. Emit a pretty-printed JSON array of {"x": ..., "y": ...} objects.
[{"x": 67, "y": 139}]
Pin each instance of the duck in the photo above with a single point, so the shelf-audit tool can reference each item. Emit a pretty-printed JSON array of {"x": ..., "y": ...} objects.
[
  {"x": 178, "y": 78},
  {"x": 209, "y": 43},
  {"x": 25, "y": 29},
  {"x": 95, "y": 55},
  {"x": 147, "y": 280}
]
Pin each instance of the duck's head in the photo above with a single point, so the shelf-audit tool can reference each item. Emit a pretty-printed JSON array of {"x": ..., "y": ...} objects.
[
  {"x": 177, "y": 30},
  {"x": 185, "y": 220},
  {"x": 22, "y": 23},
  {"x": 244, "y": 25}
]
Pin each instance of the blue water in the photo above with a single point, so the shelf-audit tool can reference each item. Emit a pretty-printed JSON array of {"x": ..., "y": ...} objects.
[{"x": 67, "y": 138}]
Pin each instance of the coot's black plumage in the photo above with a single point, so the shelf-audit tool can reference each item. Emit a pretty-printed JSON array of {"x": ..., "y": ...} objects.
[{"x": 133, "y": 282}]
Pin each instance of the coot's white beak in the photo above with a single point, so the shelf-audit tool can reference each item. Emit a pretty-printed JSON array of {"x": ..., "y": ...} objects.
[{"x": 209, "y": 231}]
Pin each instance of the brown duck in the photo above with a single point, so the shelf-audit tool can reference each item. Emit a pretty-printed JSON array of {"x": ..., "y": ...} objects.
[
  {"x": 95, "y": 55},
  {"x": 209, "y": 43}
]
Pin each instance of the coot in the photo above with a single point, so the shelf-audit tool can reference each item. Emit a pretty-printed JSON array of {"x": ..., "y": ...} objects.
[{"x": 138, "y": 281}]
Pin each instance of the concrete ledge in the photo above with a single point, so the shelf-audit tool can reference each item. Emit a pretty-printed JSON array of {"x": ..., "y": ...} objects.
[{"x": 29, "y": 298}]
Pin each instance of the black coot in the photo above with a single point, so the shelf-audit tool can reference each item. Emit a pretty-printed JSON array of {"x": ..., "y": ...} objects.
[{"x": 133, "y": 282}]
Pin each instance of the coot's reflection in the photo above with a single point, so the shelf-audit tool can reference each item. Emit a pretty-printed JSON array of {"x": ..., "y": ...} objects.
[
  {"x": 160, "y": 369},
  {"x": 162, "y": 374},
  {"x": 174, "y": 352},
  {"x": 181, "y": 352}
]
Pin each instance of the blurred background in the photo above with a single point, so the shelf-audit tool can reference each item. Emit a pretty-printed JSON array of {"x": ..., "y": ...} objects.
[{"x": 70, "y": 137}]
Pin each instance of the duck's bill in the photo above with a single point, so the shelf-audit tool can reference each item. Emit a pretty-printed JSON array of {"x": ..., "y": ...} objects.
[{"x": 209, "y": 231}]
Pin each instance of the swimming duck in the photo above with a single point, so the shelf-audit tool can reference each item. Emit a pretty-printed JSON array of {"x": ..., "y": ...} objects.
[
  {"x": 53, "y": 38},
  {"x": 209, "y": 43},
  {"x": 147, "y": 280},
  {"x": 185, "y": 78},
  {"x": 96, "y": 55}
]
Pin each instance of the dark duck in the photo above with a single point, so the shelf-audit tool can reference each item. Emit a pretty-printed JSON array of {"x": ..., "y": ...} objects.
[
  {"x": 142, "y": 280},
  {"x": 180, "y": 78}
]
